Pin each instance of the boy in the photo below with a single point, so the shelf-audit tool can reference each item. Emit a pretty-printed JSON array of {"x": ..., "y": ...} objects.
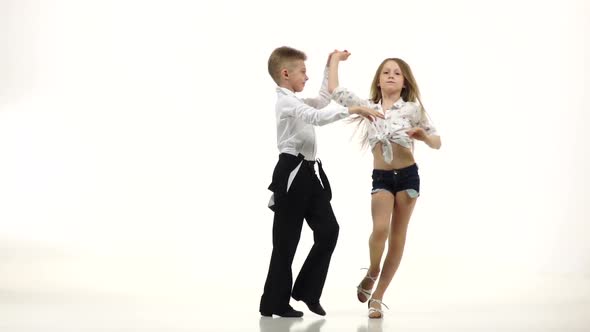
[{"x": 297, "y": 191}]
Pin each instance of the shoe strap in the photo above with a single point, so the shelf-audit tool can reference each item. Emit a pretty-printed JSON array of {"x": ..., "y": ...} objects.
[
  {"x": 378, "y": 301},
  {"x": 365, "y": 292},
  {"x": 367, "y": 276},
  {"x": 372, "y": 310}
]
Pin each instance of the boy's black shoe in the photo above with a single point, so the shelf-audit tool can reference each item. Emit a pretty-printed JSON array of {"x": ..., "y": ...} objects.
[
  {"x": 290, "y": 312},
  {"x": 314, "y": 307}
]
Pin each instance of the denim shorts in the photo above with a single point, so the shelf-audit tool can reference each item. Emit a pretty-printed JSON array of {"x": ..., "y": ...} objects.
[{"x": 396, "y": 180}]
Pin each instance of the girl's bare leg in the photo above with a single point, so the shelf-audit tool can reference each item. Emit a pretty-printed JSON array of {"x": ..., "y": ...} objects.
[{"x": 404, "y": 206}]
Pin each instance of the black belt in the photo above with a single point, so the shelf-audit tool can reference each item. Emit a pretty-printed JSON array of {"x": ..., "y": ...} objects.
[{"x": 308, "y": 163}]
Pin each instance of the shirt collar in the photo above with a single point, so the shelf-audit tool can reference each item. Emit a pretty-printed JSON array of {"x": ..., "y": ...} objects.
[
  {"x": 399, "y": 103},
  {"x": 285, "y": 91}
]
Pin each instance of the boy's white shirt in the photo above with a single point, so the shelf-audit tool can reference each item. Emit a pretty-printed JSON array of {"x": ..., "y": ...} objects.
[{"x": 296, "y": 118}]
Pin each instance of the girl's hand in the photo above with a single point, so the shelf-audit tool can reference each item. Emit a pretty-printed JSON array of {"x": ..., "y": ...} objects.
[
  {"x": 342, "y": 55},
  {"x": 338, "y": 56},
  {"x": 368, "y": 113},
  {"x": 417, "y": 133}
]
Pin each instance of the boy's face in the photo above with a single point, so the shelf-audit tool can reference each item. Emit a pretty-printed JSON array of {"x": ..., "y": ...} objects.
[
  {"x": 295, "y": 76},
  {"x": 391, "y": 78}
]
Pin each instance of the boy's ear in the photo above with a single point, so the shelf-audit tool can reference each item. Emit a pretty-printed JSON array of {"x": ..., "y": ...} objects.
[{"x": 284, "y": 73}]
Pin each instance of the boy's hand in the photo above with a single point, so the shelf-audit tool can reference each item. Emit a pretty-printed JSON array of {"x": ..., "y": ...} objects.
[
  {"x": 368, "y": 113},
  {"x": 417, "y": 133}
]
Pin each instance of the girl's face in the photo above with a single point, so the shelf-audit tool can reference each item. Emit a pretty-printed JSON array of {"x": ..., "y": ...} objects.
[{"x": 391, "y": 79}]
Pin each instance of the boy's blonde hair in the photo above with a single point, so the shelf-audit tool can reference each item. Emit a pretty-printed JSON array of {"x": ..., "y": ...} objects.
[{"x": 283, "y": 57}]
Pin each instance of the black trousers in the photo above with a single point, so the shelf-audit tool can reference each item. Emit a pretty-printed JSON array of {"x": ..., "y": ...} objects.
[{"x": 306, "y": 199}]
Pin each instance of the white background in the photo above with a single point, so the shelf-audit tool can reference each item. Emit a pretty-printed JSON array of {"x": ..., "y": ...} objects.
[{"x": 137, "y": 140}]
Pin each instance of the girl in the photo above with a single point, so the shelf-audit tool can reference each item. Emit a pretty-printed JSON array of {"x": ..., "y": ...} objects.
[{"x": 396, "y": 183}]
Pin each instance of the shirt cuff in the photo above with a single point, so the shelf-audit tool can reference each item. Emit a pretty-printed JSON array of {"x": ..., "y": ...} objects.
[
  {"x": 345, "y": 112},
  {"x": 338, "y": 91}
]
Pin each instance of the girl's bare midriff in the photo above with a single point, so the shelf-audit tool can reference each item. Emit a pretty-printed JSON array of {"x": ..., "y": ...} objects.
[{"x": 402, "y": 157}]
